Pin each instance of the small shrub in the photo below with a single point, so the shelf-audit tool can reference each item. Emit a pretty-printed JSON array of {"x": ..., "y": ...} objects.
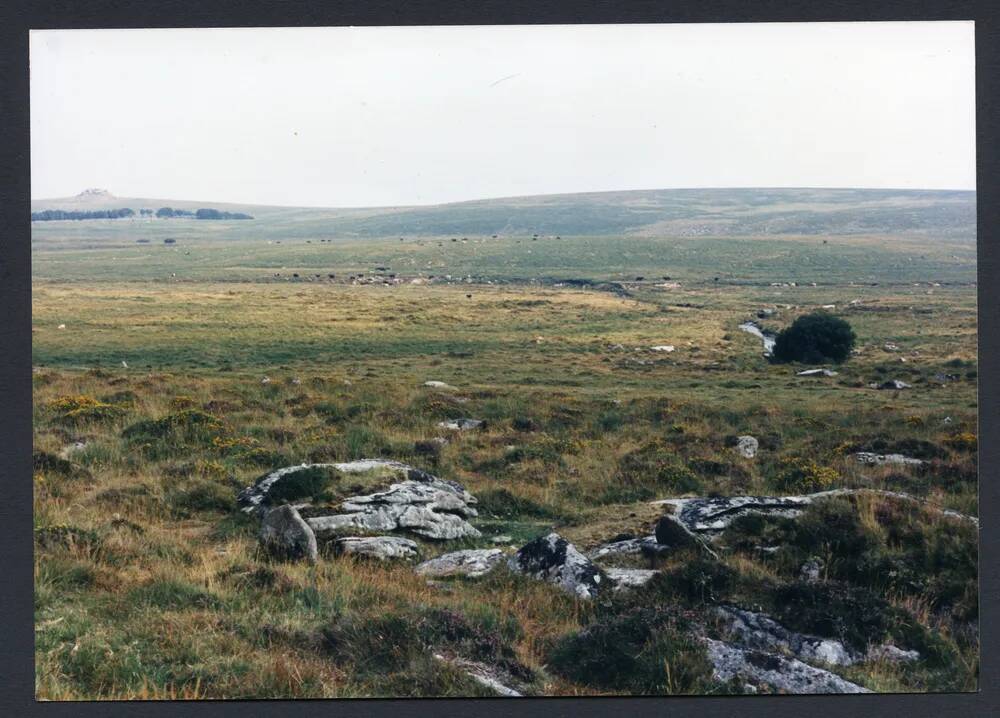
[
  {"x": 814, "y": 339},
  {"x": 643, "y": 651},
  {"x": 805, "y": 475},
  {"x": 503, "y": 504}
]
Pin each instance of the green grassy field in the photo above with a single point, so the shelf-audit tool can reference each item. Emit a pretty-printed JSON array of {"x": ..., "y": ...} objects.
[{"x": 149, "y": 582}]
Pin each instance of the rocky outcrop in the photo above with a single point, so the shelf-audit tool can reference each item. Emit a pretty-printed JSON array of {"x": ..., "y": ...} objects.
[
  {"x": 811, "y": 570},
  {"x": 747, "y": 446},
  {"x": 463, "y": 424},
  {"x": 383, "y": 548},
  {"x": 554, "y": 559},
  {"x": 785, "y": 675},
  {"x": 421, "y": 503},
  {"x": 757, "y": 631},
  {"x": 891, "y": 654},
  {"x": 672, "y": 533},
  {"x": 711, "y": 516},
  {"x": 471, "y": 563},
  {"x": 285, "y": 534}
]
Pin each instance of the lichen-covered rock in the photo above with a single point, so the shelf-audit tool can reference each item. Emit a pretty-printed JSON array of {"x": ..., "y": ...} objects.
[
  {"x": 757, "y": 631},
  {"x": 785, "y": 675},
  {"x": 554, "y": 559},
  {"x": 747, "y": 446},
  {"x": 643, "y": 546},
  {"x": 421, "y": 503},
  {"x": 489, "y": 676},
  {"x": 285, "y": 534},
  {"x": 471, "y": 563},
  {"x": 383, "y": 548}
]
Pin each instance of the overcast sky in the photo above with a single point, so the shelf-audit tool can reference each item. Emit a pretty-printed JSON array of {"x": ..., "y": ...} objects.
[{"x": 390, "y": 116}]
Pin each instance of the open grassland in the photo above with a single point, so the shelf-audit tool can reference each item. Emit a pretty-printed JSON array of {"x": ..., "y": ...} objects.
[{"x": 149, "y": 583}]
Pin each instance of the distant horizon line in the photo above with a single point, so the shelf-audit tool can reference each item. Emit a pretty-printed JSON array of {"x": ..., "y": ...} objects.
[{"x": 519, "y": 196}]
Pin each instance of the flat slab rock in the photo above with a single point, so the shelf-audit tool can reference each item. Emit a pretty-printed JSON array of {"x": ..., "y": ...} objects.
[
  {"x": 554, "y": 559},
  {"x": 626, "y": 578},
  {"x": 711, "y": 516},
  {"x": 785, "y": 675},
  {"x": 484, "y": 675},
  {"x": 643, "y": 546},
  {"x": 462, "y": 424},
  {"x": 422, "y": 503},
  {"x": 383, "y": 548},
  {"x": 472, "y": 563},
  {"x": 873, "y": 459}
]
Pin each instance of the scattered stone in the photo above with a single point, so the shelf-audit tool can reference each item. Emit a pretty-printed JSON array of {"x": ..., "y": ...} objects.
[
  {"x": 65, "y": 452},
  {"x": 890, "y": 347},
  {"x": 626, "y": 578},
  {"x": 502, "y": 539},
  {"x": 947, "y": 420},
  {"x": 383, "y": 548},
  {"x": 554, "y": 559},
  {"x": 759, "y": 632},
  {"x": 472, "y": 563},
  {"x": 438, "y": 385},
  {"x": 816, "y": 372},
  {"x": 811, "y": 570},
  {"x": 663, "y": 348},
  {"x": 265, "y": 380},
  {"x": 787, "y": 675},
  {"x": 873, "y": 459},
  {"x": 891, "y": 654},
  {"x": 462, "y": 424},
  {"x": 764, "y": 313},
  {"x": 61, "y": 326},
  {"x": 747, "y": 446},
  {"x": 285, "y": 534},
  {"x": 482, "y": 674},
  {"x": 891, "y": 384}
]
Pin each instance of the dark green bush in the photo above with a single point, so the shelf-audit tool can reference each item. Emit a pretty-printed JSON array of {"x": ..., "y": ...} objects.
[{"x": 814, "y": 339}]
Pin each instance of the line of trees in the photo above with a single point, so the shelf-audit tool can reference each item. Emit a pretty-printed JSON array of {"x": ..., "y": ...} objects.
[
  {"x": 162, "y": 213},
  {"x": 50, "y": 214}
]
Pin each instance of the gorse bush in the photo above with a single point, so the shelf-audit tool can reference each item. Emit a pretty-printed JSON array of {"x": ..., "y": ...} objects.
[{"x": 815, "y": 338}]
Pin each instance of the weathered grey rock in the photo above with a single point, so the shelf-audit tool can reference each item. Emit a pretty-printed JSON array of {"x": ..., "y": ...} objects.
[
  {"x": 285, "y": 534},
  {"x": 501, "y": 539},
  {"x": 626, "y": 578},
  {"x": 383, "y": 548},
  {"x": 711, "y": 516},
  {"x": 482, "y": 674},
  {"x": 872, "y": 459},
  {"x": 747, "y": 446},
  {"x": 554, "y": 559},
  {"x": 757, "y": 631},
  {"x": 811, "y": 570},
  {"x": 786, "y": 675},
  {"x": 816, "y": 372},
  {"x": 422, "y": 503},
  {"x": 463, "y": 424},
  {"x": 438, "y": 385},
  {"x": 644, "y": 546},
  {"x": 891, "y": 654},
  {"x": 471, "y": 563}
]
